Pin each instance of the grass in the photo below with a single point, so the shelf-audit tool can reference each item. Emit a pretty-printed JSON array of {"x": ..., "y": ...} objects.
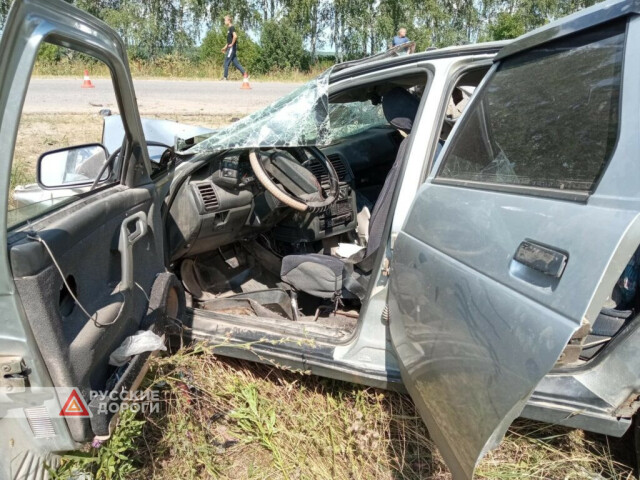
[
  {"x": 172, "y": 68},
  {"x": 228, "y": 419},
  {"x": 39, "y": 133},
  {"x": 109, "y": 462}
]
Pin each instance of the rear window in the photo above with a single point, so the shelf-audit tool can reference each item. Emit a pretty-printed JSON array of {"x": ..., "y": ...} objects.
[{"x": 547, "y": 118}]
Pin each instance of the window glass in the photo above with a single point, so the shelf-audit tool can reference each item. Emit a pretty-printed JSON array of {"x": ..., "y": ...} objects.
[
  {"x": 62, "y": 110},
  {"x": 547, "y": 118},
  {"x": 347, "y": 119}
]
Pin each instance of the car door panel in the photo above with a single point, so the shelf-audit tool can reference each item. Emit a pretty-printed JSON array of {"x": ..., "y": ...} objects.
[
  {"x": 493, "y": 272},
  {"x": 44, "y": 325},
  {"x": 475, "y": 329},
  {"x": 472, "y": 238},
  {"x": 84, "y": 242},
  {"x": 450, "y": 339}
]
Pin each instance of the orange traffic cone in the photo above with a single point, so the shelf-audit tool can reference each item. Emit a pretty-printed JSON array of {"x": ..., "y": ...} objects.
[
  {"x": 87, "y": 81},
  {"x": 245, "y": 83}
]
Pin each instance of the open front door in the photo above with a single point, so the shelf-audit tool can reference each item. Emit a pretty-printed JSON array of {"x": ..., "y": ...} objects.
[
  {"x": 518, "y": 237},
  {"x": 83, "y": 262}
]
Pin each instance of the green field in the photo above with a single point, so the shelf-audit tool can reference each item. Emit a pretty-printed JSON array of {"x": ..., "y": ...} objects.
[{"x": 171, "y": 66}]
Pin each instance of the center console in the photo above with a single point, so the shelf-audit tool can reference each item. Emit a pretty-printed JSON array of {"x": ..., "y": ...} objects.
[{"x": 304, "y": 227}]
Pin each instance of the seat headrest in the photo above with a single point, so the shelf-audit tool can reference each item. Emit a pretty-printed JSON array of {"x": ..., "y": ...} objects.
[{"x": 400, "y": 108}]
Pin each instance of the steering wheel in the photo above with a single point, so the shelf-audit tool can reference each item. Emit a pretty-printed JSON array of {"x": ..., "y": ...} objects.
[{"x": 297, "y": 187}]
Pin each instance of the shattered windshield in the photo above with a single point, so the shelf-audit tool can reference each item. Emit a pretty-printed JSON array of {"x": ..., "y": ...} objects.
[
  {"x": 300, "y": 118},
  {"x": 347, "y": 119}
]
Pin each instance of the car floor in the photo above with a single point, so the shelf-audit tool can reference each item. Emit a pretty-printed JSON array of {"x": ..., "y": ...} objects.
[{"x": 234, "y": 281}]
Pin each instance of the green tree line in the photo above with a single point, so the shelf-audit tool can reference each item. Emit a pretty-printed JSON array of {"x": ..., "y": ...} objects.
[{"x": 290, "y": 34}]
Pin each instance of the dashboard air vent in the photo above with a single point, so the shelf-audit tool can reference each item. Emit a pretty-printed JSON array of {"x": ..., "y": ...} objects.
[
  {"x": 319, "y": 172},
  {"x": 317, "y": 169},
  {"x": 339, "y": 166},
  {"x": 209, "y": 196}
]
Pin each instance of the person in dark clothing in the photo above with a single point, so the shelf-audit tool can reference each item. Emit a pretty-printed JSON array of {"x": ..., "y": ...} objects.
[{"x": 230, "y": 50}]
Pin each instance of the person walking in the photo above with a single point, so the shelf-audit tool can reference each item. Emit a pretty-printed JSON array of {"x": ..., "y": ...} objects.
[
  {"x": 401, "y": 38},
  {"x": 231, "y": 49}
]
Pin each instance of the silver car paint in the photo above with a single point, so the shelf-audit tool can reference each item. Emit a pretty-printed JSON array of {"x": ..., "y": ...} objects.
[
  {"x": 29, "y": 23},
  {"x": 613, "y": 376},
  {"x": 473, "y": 334},
  {"x": 155, "y": 130},
  {"x": 22, "y": 337},
  {"x": 371, "y": 346},
  {"x": 16, "y": 339},
  {"x": 367, "y": 356},
  {"x": 160, "y": 131}
]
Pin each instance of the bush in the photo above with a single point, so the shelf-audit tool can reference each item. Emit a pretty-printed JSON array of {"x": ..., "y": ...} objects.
[
  {"x": 248, "y": 51},
  {"x": 282, "y": 48},
  {"x": 507, "y": 26},
  {"x": 49, "y": 53}
]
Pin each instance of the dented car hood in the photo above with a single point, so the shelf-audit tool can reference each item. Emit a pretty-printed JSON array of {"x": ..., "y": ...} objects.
[{"x": 161, "y": 131}]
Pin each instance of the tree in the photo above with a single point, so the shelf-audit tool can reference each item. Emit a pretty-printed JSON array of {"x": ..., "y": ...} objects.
[
  {"x": 281, "y": 48},
  {"x": 245, "y": 13},
  {"x": 355, "y": 28},
  {"x": 507, "y": 25},
  {"x": 4, "y": 10},
  {"x": 309, "y": 18}
]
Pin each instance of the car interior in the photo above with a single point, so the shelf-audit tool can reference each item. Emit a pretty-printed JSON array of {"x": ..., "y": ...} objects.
[
  {"x": 241, "y": 252},
  {"x": 618, "y": 312}
]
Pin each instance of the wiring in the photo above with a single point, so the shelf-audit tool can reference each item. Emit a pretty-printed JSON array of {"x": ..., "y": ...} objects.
[{"x": 94, "y": 318}]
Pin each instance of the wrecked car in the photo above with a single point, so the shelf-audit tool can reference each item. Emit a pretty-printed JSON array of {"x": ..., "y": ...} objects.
[{"x": 459, "y": 223}]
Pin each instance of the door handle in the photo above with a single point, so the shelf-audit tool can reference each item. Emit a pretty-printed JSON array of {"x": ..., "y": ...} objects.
[
  {"x": 544, "y": 259},
  {"x": 125, "y": 246},
  {"x": 126, "y": 241}
]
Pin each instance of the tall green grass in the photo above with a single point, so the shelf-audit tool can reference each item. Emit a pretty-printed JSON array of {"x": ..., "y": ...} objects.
[
  {"x": 222, "y": 418},
  {"x": 170, "y": 66}
]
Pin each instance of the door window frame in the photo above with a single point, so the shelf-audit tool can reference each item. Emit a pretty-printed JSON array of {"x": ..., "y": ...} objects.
[
  {"x": 569, "y": 195},
  {"x": 431, "y": 158},
  {"x": 28, "y": 26}
]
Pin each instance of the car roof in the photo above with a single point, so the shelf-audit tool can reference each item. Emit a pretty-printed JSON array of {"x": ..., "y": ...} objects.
[
  {"x": 589, "y": 17},
  {"x": 376, "y": 62}
]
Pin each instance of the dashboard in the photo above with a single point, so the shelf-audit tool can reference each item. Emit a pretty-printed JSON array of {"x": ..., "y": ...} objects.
[{"x": 222, "y": 202}]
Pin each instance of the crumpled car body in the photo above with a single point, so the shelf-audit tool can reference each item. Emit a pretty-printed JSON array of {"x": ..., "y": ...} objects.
[{"x": 509, "y": 243}]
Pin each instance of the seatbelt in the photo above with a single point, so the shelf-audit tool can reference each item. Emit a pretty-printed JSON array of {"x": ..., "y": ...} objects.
[{"x": 353, "y": 281}]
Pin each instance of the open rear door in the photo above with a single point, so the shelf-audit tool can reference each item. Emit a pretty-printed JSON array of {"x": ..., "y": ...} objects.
[{"x": 518, "y": 238}]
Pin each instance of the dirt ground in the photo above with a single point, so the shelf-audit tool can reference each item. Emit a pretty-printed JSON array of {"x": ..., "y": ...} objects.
[{"x": 39, "y": 133}]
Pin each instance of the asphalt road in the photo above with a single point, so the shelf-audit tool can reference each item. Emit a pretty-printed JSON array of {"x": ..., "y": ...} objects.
[{"x": 64, "y": 95}]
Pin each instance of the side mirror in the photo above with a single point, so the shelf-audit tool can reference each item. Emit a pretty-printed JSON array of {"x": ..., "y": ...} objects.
[{"x": 72, "y": 166}]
